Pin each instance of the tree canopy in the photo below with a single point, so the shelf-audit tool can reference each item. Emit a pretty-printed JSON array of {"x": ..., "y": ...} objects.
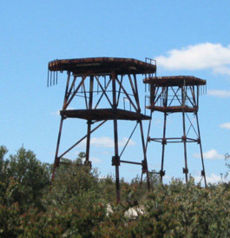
[{"x": 81, "y": 204}]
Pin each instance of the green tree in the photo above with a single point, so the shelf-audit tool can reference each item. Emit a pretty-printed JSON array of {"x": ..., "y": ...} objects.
[
  {"x": 74, "y": 206},
  {"x": 23, "y": 180},
  {"x": 3, "y": 172},
  {"x": 31, "y": 178}
]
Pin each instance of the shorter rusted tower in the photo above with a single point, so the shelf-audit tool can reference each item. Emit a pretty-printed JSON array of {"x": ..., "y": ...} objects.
[
  {"x": 177, "y": 94},
  {"x": 103, "y": 85}
]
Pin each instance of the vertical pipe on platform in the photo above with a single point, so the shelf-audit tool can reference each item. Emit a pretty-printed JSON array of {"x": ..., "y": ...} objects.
[
  {"x": 116, "y": 159},
  {"x": 89, "y": 122},
  {"x": 48, "y": 77}
]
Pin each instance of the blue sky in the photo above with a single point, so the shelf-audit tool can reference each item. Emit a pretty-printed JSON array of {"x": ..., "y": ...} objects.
[{"x": 186, "y": 37}]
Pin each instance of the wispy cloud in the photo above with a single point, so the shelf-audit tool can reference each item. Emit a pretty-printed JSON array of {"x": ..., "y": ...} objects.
[
  {"x": 196, "y": 57},
  {"x": 95, "y": 160},
  {"x": 225, "y": 125},
  {"x": 219, "y": 93},
  {"x": 212, "y": 178},
  {"x": 57, "y": 113},
  {"x": 211, "y": 155},
  {"x": 107, "y": 142}
]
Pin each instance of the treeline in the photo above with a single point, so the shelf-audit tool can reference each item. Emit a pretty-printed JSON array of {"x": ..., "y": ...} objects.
[{"x": 80, "y": 204}]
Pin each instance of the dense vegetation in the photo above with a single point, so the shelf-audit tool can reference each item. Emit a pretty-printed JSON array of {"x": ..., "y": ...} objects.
[{"x": 79, "y": 204}]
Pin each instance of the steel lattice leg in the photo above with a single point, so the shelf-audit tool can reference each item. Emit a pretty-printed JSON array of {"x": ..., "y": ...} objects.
[
  {"x": 201, "y": 151},
  {"x": 162, "y": 172},
  {"x": 57, "y": 159},
  {"x": 184, "y": 138}
]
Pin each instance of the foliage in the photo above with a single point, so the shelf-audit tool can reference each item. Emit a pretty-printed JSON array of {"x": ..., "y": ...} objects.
[
  {"x": 23, "y": 179},
  {"x": 80, "y": 204}
]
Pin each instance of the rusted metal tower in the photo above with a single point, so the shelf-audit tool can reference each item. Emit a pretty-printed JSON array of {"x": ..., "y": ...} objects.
[
  {"x": 102, "y": 84},
  {"x": 177, "y": 94}
]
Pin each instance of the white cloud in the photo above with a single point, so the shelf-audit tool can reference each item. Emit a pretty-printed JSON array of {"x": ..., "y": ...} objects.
[
  {"x": 124, "y": 140},
  {"x": 95, "y": 160},
  {"x": 219, "y": 93},
  {"x": 222, "y": 70},
  {"x": 196, "y": 57},
  {"x": 213, "y": 178},
  {"x": 102, "y": 142},
  {"x": 107, "y": 142},
  {"x": 211, "y": 154},
  {"x": 57, "y": 113},
  {"x": 225, "y": 125}
]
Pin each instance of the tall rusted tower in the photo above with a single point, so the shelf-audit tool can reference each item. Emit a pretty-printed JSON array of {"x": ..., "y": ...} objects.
[
  {"x": 102, "y": 83},
  {"x": 177, "y": 94}
]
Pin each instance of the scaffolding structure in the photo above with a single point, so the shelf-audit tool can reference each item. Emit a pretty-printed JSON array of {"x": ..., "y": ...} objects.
[
  {"x": 177, "y": 94},
  {"x": 105, "y": 85}
]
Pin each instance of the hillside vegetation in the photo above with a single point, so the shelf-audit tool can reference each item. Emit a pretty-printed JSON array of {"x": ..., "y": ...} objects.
[{"x": 80, "y": 204}]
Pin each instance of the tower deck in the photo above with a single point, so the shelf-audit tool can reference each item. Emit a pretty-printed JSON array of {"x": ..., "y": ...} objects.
[
  {"x": 104, "y": 114},
  {"x": 102, "y": 66}
]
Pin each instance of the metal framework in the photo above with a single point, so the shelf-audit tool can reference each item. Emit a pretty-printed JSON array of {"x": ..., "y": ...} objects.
[
  {"x": 99, "y": 90},
  {"x": 177, "y": 94}
]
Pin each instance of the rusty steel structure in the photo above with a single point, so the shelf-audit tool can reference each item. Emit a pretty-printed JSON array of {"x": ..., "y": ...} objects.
[
  {"x": 177, "y": 94},
  {"x": 101, "y": 84}
]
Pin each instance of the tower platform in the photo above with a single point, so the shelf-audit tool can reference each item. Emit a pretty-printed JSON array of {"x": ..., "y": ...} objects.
[
  {"x": 104, "y": 114},
  {"x": 102, "y": 66}
]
